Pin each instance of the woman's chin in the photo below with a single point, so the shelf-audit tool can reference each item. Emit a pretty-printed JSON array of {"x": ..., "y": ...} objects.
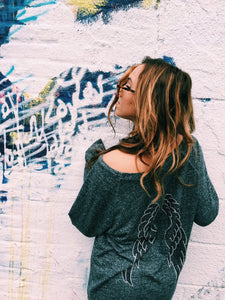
[{"x": 117, "y": 112}]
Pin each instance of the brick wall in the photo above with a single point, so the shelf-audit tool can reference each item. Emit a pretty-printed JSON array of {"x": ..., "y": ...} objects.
[{"x": 59, "y": 62}]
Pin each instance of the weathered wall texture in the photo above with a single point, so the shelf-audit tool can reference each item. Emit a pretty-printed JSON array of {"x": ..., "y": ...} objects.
[{"x": 58, "y": 68}]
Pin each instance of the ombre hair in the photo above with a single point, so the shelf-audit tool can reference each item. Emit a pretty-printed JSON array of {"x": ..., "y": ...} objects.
[{"x": 164, "y": 111}]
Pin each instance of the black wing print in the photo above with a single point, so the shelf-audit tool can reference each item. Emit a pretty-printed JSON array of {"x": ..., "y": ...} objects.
[
  {"x": 175, "y": 236},
  {"x": 147, "y": 231}
]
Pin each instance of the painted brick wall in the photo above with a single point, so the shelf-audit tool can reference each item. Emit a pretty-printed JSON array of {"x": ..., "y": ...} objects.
[{"x": 59, "y": 63}]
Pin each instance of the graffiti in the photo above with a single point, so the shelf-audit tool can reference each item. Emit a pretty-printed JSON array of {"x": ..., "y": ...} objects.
[
  {"x": 205, "y": 100},
  {"x": 89, "y": 11},
  {"x": 169, "y": 60},
  {"x": 215, "y": 289},
  {"x": 3, "y": 196},
  {"x": 39, "y": 131},
  {"x": 13, "y": 12}
]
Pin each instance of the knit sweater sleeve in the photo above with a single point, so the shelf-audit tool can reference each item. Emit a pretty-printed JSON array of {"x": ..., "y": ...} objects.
[
  {"x": 93, "y": 209},
  {"x": 208, "y": 202},
  {"x": 91, "y": 152}
]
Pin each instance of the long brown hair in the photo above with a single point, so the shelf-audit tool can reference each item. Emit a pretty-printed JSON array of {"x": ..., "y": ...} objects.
[{"x": 164, "y": 111}]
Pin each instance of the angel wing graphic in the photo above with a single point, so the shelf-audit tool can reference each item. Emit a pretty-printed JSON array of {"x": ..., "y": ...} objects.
[
  {"x": 175, "y": 236},
  {"x": 147, "y": 231}
]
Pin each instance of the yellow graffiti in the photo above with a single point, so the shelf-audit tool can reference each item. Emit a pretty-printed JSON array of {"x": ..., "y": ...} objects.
[
  {"x": 11, "y": 273},
  {"x": 45, "y": 276},
  {"x": 25, "y": 243},
  {"x": 23, "y": 288},
  {"x": 88, "y": 7},
  {"x": 12, "y": 256},
  {"x": 43, "y": 94},
  {"x": 148, "y": 3}
]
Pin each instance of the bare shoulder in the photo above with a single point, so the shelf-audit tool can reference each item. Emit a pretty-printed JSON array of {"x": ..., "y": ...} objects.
[{"x": 120, "y": 161}]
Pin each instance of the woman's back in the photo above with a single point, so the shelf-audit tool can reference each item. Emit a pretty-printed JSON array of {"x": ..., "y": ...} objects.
[
  {"x": 140, "y": 247},
  {"x": 141, "y": 197},
  {"x": 130, "y": 163},
  {"x": 124, "y": 162}
]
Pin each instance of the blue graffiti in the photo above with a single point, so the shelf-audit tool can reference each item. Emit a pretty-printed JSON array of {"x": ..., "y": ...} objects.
[
  {"x": 169, "y": 60},
  {"x": 13, "y": 12},
  {"x": 105, "y": 10},
  {"x": 3, "y": 196},
  {"x": 204, "y": 100},
  {"x": 39, "y": 131}
]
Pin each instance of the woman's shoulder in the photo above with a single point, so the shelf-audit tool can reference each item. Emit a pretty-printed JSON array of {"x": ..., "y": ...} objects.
[
  {"x": 94, "y": 149},
  {"x": 196, "y": 151},
  {"x": 123, "y": 162}
]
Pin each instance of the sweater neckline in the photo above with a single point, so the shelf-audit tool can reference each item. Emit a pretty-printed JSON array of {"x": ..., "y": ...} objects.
[
  {"x": 131, "y": 175},
  {"x": 121, "y": 174}
]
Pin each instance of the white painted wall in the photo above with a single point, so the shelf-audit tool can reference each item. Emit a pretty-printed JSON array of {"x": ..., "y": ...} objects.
[{"x": 42, "y": 256}]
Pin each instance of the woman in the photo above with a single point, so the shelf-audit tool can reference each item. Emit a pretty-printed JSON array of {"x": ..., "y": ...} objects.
[{"x": 140, "y": 198}]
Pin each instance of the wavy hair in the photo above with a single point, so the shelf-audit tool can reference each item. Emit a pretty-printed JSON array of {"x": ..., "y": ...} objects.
[{"x": 164, "y": 111}]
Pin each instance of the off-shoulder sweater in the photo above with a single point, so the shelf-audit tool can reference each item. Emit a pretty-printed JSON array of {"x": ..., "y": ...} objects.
[{"x": 140, "y": 247}]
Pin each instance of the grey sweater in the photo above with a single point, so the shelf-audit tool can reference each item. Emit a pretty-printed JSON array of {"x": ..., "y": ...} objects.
[{"x": 139, "y": 247}]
